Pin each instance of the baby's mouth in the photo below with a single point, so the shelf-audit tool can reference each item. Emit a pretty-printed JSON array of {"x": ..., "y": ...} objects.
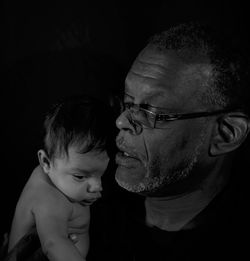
[{"x": 88, "y": 202}]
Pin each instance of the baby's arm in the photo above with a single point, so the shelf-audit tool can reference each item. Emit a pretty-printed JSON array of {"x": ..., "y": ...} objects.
[{"x": 51, "y": 217}]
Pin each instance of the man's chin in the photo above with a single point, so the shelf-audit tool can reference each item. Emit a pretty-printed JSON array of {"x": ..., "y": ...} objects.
[{"x": 131, "y": 179}]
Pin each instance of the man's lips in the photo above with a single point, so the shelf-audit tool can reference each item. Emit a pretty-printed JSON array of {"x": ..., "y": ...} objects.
[
  {"x": 127, "y": 151},
  {"x": 126, "y": 157},
  {"x": 126, "y": 160}
]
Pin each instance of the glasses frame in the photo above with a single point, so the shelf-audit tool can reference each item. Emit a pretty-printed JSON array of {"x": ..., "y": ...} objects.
[{"x": 131, "y": 107}]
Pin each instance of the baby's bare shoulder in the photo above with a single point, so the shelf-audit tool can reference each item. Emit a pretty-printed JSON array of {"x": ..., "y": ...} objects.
[
  {"x": 42, "y": 195},
  {"x": 50, "y": 199}
]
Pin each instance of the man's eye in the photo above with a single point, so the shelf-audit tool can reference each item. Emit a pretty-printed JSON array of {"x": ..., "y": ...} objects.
[
  {"x": 144, "y": 106},
  {"x": 148, "y": 108},
  {"x": 128, "y": 105}
]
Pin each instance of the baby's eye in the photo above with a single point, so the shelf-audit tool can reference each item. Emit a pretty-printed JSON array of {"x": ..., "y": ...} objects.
[{"x": 79, "y": 177}]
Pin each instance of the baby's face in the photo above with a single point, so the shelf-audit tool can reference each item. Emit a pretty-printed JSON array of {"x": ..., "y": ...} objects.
[{"x": 78, "y": 176}]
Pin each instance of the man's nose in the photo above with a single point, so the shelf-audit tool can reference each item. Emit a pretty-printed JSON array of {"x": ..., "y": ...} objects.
[{"x": 125, "y": 122}]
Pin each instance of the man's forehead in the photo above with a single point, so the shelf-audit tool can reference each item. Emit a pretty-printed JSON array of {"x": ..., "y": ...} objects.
[
  {"x": 153, "y": 55},
  {"x": 149, "y": 68},
  {"x": 164, "y": 73},
  {"x": 151, "y": 58},
  {"x": 151, "y": 62}
]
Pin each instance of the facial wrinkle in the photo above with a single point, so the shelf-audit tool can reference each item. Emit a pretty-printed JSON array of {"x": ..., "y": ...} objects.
[
  {"x": 144, "y": 76},
  {"x": 146, "y": 154},
  {"x": 148, "y": 69},
  {"x": 150, "y": 65}
]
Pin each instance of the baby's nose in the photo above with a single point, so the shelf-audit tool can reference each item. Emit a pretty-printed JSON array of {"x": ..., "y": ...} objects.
[{"x": 94, "y": 186}]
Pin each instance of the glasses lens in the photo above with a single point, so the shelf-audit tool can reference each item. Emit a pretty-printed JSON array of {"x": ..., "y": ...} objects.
[
  {"x": 147, "y": 118},
  {"x": 140, "y": 115}
]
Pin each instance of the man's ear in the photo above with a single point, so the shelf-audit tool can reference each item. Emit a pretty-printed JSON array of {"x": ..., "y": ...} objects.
[
  {"x": 44, "y": 161},
  {"x": 230, "y": 132}
]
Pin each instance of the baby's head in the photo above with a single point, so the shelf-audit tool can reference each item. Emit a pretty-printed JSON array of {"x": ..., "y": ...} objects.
[{"x": 77, "y": 143}]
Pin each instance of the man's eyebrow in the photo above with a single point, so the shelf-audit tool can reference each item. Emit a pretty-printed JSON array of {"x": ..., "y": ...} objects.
[{"x": 126, "y": 94}]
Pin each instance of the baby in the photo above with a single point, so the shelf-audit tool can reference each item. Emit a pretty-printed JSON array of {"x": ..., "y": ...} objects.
[{"x": 57, "y": 196}]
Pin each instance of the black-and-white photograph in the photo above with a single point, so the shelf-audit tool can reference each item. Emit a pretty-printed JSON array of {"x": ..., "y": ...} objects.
[{"x": 125, "y": 130}]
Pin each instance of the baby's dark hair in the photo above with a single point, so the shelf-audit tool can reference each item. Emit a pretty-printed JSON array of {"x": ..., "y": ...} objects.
[{"x": 81, "y": 121}]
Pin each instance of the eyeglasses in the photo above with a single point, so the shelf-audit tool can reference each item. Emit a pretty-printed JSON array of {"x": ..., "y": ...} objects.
[{"x": 146, "y": 116}]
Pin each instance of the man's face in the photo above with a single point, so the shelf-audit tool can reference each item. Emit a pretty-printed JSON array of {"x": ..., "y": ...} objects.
[
  {"x": 154, "y": 159},
  {"x": 78, "y": 175}
]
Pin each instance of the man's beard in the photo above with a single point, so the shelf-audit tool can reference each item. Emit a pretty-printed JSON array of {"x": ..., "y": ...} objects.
[{"x": 159, "y": 178}]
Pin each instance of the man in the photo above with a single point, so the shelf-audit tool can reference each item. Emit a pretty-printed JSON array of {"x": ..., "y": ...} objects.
[{"x": 185, "y": 114}]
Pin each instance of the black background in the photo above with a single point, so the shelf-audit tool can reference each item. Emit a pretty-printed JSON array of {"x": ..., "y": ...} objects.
[{"x": 50, "y": 49}]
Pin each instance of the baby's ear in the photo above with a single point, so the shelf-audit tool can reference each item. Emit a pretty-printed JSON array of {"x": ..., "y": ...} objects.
[
  {"x": 230, "y": 132},
  {"x": 44, "y": 161}
]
